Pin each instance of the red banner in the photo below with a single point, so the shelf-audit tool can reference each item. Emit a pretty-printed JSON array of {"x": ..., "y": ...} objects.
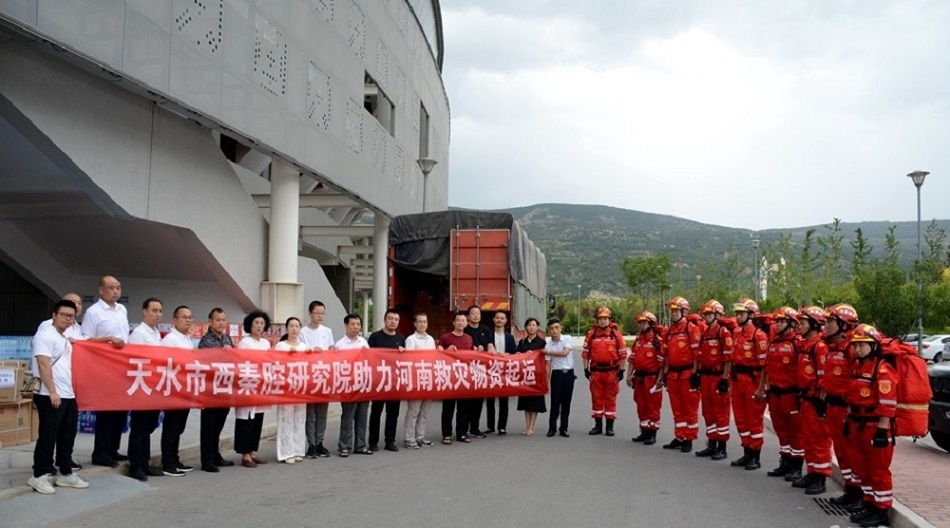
[{"x": 141, "y": 377}]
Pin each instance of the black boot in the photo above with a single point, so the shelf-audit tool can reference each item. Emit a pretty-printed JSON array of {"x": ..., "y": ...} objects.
[
  {"x": 817, "y": 486},
  {"x": 804, "y": 482},
  {"x": 686, "y": 446},
  {"x": 851, "y": 494},
  {"x": 875, "y": 517},
  {"x": 743, "y": 460},
  {"x": 754, "y": 462},
  {"x": 795, "y": 469},
  {"x": 651, "y": 438},
  {"x": 710, "y": 449},
  {"x": 782, "y": 469},
  {"x": 859, "y": 515},
  {"x": 610, "y": 426},
  {"x": 642, "y": 436},
  {"x": 720, "y": 453},
  {"x": 598, "y": 427},
  {"x": 675, "y": 443}
]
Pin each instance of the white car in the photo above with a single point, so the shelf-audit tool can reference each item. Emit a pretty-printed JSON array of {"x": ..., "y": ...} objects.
[{"x": 932, "y": 348}]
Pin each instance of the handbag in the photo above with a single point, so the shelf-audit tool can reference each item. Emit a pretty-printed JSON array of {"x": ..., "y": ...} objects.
[{"x": 32, "y": 382}]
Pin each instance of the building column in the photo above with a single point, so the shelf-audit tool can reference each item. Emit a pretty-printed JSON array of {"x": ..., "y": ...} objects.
[
  {"x": 380, "y": 268},
  {"x": 281, "y": 294}
]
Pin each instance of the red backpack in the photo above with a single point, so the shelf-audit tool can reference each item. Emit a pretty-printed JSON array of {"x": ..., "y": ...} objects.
[{"x": 913, "y": 390}]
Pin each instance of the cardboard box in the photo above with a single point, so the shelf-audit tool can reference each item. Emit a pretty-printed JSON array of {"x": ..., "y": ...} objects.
[
  {"x": 16, "y": 423},
  {"x": 11, "y": 383}
]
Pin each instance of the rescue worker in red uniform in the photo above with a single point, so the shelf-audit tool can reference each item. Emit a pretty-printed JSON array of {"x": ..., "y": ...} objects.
[
  {"x": 749, "y": 348},
  {"x": 812, "y": 356},
  {"x": 715, "y": 367},
  {"x": 780, "y": 381},
  {"x": 644, "y": 369},
  {"x": 872, "y": 403},
  {"x": 840, "y": 322},
  {"x": 680, "y": 355},
  {"x": 603, "y": 355}
]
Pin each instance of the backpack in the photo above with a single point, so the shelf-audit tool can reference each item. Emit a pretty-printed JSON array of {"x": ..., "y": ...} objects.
[{"x": 913, "y": 390}]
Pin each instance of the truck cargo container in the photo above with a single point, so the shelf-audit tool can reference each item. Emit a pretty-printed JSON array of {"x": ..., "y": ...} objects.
[{"x": 447, "y": 261}]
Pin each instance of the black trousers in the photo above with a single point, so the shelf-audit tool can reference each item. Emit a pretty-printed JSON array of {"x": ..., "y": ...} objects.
[
  {"x": 474, "y": 413},
  {"x": 172, "y": 429},
  {"x": 57, "y": 432},
  {"x": 247, "y": 434},
  {"x": 562, "y": 391},
  {"x": 502, "y": 412},
  {"x": 392, "y": 419},
  {"x": 212, "y": 423},
  {"x": 457, "y": 407},
  {"x": 109, "y": 425},
  {"x": 140, "y": 437}
]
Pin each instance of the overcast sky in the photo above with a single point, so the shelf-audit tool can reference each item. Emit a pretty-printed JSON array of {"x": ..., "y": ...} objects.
[{"x": 739, "y": 113}]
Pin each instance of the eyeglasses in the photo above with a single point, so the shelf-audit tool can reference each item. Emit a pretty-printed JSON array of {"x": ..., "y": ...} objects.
[{"x": 66, "y": 316}]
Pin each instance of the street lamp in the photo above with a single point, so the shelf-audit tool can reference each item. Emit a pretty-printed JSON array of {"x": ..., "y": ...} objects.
[
  {"x": 426, "y": 164},
  {"x": 755, "y": 251},
  {"x": 918, "y": 179},
  {"x": 578, "y": 310}
]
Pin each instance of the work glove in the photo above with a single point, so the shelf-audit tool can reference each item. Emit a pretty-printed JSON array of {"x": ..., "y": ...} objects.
[
  {"x": 694, "y": 381},
  {"x": 821, "y": 408},
  {"x": 844, "y": 431},
  {"x": 587, "y": 373},
  {"x": 880, "y": 439},
  {"x": 620, "y": 375},
  {"x": 723, "y": 386}
]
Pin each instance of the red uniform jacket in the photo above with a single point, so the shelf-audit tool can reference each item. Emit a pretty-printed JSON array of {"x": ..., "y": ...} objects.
[
  {"x": 836, "y": 377},
  {"x": 645, "y": 353},
  {"x": 781, "y": 362},
  {"x": 604, "y": 347},
  {"x": 681, "y": 344},
  {"x": 811, "y": 364},
  {"x": 715, "y": 349},
  {"x": 750, "y": 346},
  {"x": 873, "y": 393}
]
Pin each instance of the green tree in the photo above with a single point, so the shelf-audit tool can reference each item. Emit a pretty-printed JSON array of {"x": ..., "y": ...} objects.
[
  {"x": 648, "y": 277},
  {"x": 886, "y": 299}
]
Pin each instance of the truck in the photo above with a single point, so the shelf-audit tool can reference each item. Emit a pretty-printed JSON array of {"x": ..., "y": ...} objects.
[{"x": 444, "y": 262}]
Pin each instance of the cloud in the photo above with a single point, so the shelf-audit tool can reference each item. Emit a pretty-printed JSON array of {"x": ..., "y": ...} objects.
[{"x": 756, "y": 116}]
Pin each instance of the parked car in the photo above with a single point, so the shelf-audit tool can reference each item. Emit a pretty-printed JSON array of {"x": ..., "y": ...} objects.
[
  {"x": 946, "y": 353},
  {"x": 932, "y": 347},
  {"x": 939, "y": 421},
  {"x": 912, "y": 337}
]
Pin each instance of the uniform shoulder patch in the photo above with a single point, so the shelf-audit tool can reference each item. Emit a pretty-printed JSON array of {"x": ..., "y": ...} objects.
[{"x": 884, "y": 386}]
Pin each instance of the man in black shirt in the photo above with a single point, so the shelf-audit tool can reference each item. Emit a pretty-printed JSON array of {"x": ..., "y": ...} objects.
[
  {"x": 212, "y": 420},
  {"x": 385, "y": 338},
  {"x": 483, "y": 339}
]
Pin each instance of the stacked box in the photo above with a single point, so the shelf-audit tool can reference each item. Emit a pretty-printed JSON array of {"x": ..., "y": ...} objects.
[
  {"x": 12, "y": 376},
  {"x": 16, "y": 423}
]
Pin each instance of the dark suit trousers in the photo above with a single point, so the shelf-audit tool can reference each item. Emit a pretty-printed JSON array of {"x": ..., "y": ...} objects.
[
  {"x": 172, "y": 429},
  {"x": 109, "y": 425},
  {"x": 392, "y": 419},
  {"x": 212, "y": 423}
]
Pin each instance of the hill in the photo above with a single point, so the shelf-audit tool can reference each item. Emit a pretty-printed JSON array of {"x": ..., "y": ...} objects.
[{"x": 584, "y": 244}]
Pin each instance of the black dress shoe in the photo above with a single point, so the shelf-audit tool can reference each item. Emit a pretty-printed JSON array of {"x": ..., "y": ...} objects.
[
  {"x": 564, "y": 434},
  {"x": 75, "y": 465},
  {"x": 152, "y": 472},
  {"x": 373, "y": 447},
  {"x": 675, "y": 443},
  {"x": 138, "y": 474},
  {"x": 477, "y": 434},
  {"x": 107, "y": 463},
  {"x": 551, "y": 433},
  {"x": 391, "y": 447},
  {"x": 210, "y": 469},
  {"x": 120, "y": 458},
  {"x": 223, "y": 463},
  {"x": 322, "y": 452},
  {"x": 490, "y": 430}
]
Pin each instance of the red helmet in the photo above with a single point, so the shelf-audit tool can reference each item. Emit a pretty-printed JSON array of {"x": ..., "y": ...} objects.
[
  {"x": 603, "y": 311},
  {"x": 843, "y": 311},
  {"x": 865, "y": 333},
  {"x": 785, "y": 313},
  {"x": 648, "y": 317},
  {"x": 712, "y": 306},
  {"x": 814, "y": 313},
  {"x": 746, "y": 304},
  {"x": 678, "y": 303}
]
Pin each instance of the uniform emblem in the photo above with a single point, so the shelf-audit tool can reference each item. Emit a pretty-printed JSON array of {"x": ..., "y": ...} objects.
[
  {"x": 884, "y": 386},
  {"x": 611, "y": 348},
  {"x": 649, "y": 354},
  {"x": 748, "y": 354},
  {"x": 865, "y": 392},
  {"x": 809, "y": 370},
  {"x": 713, "y": 352},
  {"x": 786, "y": 359},
  {"x": 763, "y": 344},
  {"x": 837, "y": 371}
]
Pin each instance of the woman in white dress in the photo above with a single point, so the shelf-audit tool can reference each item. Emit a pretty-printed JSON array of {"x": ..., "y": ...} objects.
[
  {"x": 249, "y": 421},
  {"x": 292, "y": 418}
]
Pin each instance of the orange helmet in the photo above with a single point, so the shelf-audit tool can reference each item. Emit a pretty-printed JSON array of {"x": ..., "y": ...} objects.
[
  {"x": 814, "y": 313},
  {"x": 603, "y": 311},
  {"x": 678, "y": 303},
  {"x": 648, "y": 317},
  {"x": 844, "y": 312},
  {"x": 865, "y": 333},
  {"x": 746, "y": 304},
  {"x": 712, "y": 306},
  {"x": 785, "y": 313}
]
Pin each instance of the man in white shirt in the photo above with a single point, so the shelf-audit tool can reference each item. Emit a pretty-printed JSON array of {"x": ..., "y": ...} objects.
[
  {"x": 560, "y": 358},
  {"x": 107, "y": 321},
  {"x": 74, "y": 331},
  {"x": 320, "y": 339},
  {"x": 55, "y": 404},
  {"x": 418, "y": 410},
  {"x": 355, "y": 414},
  {"x": 143, "y": 423},
  {"x": 176, "y": 419}
]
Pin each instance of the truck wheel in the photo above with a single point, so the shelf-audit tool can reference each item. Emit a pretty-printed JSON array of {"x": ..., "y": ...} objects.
[{"x": 941, "y": 439}]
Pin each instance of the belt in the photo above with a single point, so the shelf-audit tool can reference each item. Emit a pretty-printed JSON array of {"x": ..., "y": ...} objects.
[
  {"x": 645, "y": 373},
  {"x": 684, "y": 368},
  {"x": 743, "y": 369},
  {"x": 860, "y": 410},
  {"x": 779, "y": 391},
  {"x": 710, "y": 372},
  {"x": 836, "y": 401},
  {"x": 604, "y": 367},
  {"x": 562, "y": 371}
]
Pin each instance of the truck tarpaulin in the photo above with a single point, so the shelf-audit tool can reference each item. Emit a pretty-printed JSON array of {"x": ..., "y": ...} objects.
[{"x": 422, "y": 243}]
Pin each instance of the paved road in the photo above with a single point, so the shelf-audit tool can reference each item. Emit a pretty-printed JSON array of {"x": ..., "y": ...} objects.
[{"x": 500, "y": 481}]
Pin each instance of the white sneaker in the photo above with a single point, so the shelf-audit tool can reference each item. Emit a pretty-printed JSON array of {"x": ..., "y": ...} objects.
[
  {"x": 41, "y": 485},
  {"x": 298, "y": 459},
  {"x": 72, "y": 481},
  {"x": 290, "y": 460}
]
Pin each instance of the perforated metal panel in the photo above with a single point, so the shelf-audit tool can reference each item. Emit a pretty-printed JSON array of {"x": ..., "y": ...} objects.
[
  {"x": 357, "y": 34},
  {"x": 354, "y": 126},
  {"x": 382, "y": 66},
  {"x": 200, "y": 23},
  {"x": 318, "y": 97},
  {"x": 270, "y": 57},
  {"x": 379, "y": 149},
  {"x": 324, "y": 8}
]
